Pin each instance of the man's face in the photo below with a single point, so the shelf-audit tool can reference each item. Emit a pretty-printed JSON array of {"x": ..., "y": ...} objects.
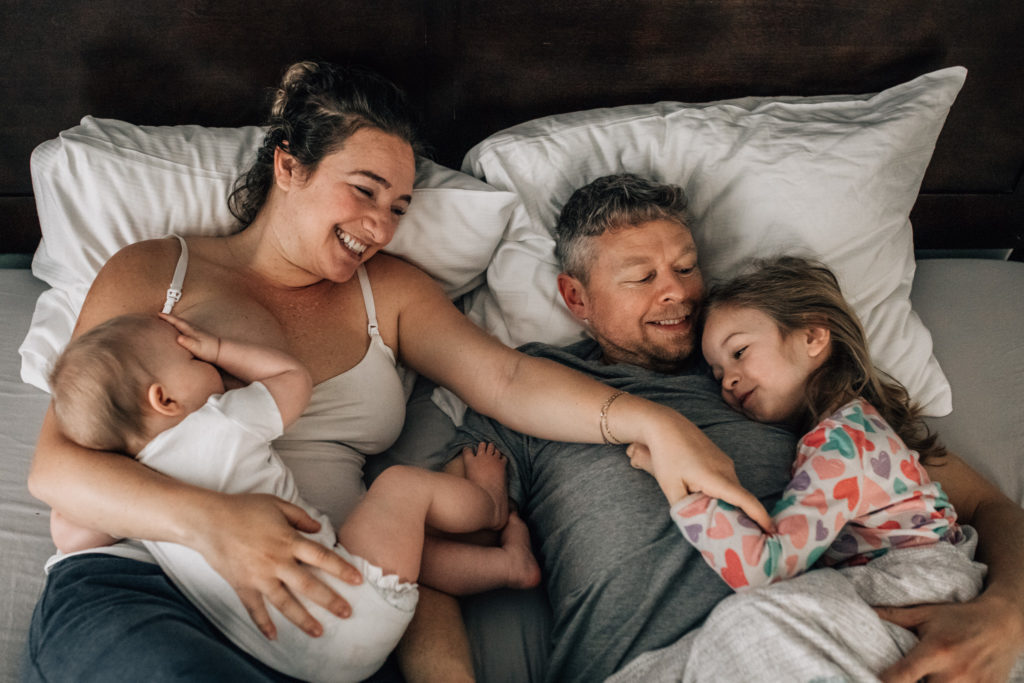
[{"x": 643, "y": 295}]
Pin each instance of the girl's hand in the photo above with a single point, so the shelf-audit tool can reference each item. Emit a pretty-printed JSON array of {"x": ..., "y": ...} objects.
[
  {"x": 256, "y": 546},
  {"x": 199, "y": 342}
]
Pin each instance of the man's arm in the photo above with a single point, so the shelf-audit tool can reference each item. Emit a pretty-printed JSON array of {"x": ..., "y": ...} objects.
[{"x": 978, "y": 640}]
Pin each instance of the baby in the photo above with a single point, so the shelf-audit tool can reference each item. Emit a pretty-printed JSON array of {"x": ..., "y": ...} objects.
[{"x": 150, "y": 386}]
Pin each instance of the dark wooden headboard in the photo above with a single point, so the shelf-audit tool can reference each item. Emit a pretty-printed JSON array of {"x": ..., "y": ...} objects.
[{"x": 477, "y": 66}]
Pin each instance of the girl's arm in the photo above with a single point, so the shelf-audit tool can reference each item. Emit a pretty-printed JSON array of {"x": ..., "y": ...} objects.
[
  {"x": 548, "y": 400},
  {"x": 830, "y": 488},
  {"x": 116, "y": 495},
  {"x": 287, "y": 380},
  {"x": 807, "y": 519}
]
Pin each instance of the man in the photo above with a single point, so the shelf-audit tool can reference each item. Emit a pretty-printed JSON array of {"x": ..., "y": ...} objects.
[{"x": 620, "y": 580}]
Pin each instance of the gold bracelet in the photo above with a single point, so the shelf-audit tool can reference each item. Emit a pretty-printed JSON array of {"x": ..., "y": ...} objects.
[{"x": 606, "y": 433}]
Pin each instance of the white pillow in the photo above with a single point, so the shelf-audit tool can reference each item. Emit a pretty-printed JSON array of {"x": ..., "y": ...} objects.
[
  {"x": 105, "y": 184},
  {"x": 833, "y": 177}
]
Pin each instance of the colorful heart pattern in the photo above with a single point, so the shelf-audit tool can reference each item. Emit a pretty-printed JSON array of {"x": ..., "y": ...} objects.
[{"x": 856, "y": 492}]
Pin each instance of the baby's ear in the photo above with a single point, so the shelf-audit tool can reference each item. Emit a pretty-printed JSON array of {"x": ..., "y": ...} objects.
[{"x": 161, "y": 402}]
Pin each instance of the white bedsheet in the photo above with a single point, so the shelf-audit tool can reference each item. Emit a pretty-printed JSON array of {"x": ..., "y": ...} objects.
[
  {"x": 24, "y": 521},
  {"x": 972, "y": 308}
]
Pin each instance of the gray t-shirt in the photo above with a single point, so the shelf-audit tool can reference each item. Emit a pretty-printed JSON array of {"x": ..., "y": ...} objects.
[{"x": 621, "y": 579}]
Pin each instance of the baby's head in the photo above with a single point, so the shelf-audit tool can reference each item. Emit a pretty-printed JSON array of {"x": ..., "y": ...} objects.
[
  {"x": 785, "y": 344},
  {"x": 111, "y": 383}
]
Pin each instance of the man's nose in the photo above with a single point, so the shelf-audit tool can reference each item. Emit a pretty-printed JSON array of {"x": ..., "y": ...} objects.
[{"x": 670, "y": 288}]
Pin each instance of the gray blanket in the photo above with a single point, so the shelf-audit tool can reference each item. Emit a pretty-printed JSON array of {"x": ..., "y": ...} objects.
[{"x": 818, "y": 626}]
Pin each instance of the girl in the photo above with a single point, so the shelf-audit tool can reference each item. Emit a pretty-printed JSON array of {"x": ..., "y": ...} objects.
[{"x": 787, "y": 348}]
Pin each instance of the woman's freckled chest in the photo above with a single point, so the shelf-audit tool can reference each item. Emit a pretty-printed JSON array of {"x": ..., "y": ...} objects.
[{"x": 324, "y": 326}]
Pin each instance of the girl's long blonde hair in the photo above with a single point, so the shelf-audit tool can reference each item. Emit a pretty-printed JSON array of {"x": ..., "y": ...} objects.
[{"x": 798, "y": 293}]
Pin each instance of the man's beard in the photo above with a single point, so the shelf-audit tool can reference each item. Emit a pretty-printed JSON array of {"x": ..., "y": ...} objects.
[{"x": 650, "y": 356}]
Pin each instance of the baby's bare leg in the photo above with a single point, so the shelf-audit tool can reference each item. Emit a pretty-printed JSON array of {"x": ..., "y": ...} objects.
[
  {"x": 461, "y": 568},
  {"x": 388, "y": 525}
]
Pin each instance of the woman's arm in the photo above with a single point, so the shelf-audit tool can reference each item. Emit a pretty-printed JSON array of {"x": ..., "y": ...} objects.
[
  {"x": 550, "y": 401},
  {"x": 117, "y": 496},
  {"x": 978, "y": 640},
  {"x": 70, "y": 537}
]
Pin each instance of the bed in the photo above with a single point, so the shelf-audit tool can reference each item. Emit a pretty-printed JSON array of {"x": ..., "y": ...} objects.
[{"x": 523, "y": 101}]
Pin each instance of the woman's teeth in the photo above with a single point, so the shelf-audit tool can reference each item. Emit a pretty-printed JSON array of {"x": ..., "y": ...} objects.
[{"x": 351, "y": 242}]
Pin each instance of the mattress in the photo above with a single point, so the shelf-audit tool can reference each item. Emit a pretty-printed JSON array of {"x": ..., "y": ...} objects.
[
  {"x": 24, "y": 530},
  {"x": 972, "y": 308}
]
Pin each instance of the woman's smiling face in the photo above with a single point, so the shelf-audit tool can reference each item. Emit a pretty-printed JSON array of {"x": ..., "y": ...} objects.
[{"x": 348, "y": 208}]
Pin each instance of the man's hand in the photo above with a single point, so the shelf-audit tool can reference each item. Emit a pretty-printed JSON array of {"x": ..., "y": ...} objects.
[
  {"x": 972, "y": 642},
  {"x": 256, "y": 546}
]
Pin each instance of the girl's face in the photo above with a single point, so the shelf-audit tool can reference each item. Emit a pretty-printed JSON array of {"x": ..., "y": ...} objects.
[
  {"x": 348, "y": 208},
  {"x": 763, "y": 372}
]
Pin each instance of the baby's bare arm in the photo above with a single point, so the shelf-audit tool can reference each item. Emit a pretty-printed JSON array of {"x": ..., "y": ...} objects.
[{"x": 287, "y": 380}]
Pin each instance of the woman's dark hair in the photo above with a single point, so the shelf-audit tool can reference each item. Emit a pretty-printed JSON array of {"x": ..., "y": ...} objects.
[
  {"x": 797, "y": 293},
  {"x": 317, "y": 107}
]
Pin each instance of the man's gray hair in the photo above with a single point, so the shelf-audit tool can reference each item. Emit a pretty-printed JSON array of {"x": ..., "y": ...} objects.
[{"x": 608, "y": 203}]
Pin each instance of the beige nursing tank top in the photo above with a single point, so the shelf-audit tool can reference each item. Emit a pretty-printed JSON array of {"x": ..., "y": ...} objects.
[{"x": 357, "y": 413}]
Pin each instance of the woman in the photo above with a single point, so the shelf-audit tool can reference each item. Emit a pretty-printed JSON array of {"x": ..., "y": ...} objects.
[{"x": 330, "y": 183}]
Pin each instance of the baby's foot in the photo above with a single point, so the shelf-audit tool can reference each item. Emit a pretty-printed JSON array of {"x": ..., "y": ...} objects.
[
  {"x": 523, "y": 570},
  {"x": 485, "y": 467}
]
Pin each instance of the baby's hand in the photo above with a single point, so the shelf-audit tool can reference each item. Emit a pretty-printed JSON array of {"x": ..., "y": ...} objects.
[
  {"x": 199, "y": 342},
  {"x": 640, "y": 457}
]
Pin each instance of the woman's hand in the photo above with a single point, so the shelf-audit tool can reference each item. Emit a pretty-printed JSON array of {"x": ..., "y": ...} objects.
[
  {"x": 705, "y": 468},
  {"x": 976, "y": 641},
  {"x": 256, "y": 547}
]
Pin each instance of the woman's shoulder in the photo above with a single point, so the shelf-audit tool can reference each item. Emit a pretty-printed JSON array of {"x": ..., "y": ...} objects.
[
  {"x": 394, "y": 266},
  {"x": 398, "y": 277},
  {"x": 146, "y": 253},
  {"x": 134, "y": 279},
  {"x": 135, "y": 265}
]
